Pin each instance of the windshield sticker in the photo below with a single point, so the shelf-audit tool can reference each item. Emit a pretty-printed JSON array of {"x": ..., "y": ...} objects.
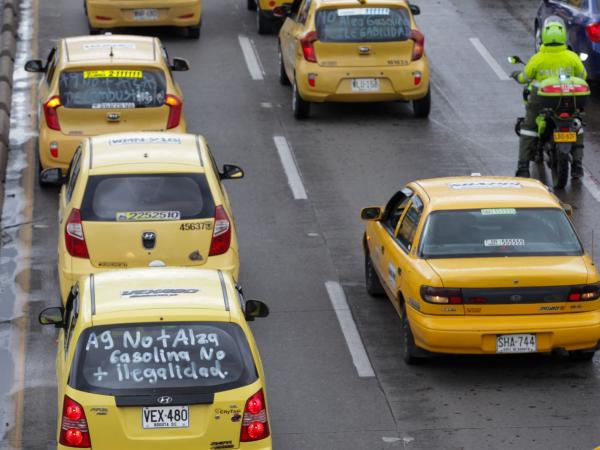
[
  {"x": 109, "y": 45},
  {"x": 363, "y": 12},
  {"x": 125, "y": 105},
  {"x": 170, "y": 140},
  {"x": 498, "y": 212},
  {"x": 139, "y": 293},
  {"x": 112, "y": 73},
  {"x": 504, "y": 242},
  {"x": 140, "y": 216},
  {"x": 486, "y": 185}
]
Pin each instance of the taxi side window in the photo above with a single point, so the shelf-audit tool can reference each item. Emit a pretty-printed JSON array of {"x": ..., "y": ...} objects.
[
  {"x": 303, "y": 12},
  {"x": 51, "y": 66},
  {"x": 410, "y": 222},
  {"x": 71, "y": 315},
  {"x": 215, "y": 169},
  {"x": 73, "y": 173},
  {"x": 395, "y": 208}
]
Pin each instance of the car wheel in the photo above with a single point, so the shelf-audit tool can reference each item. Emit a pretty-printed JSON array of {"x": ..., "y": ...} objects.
[
  {"x": 283, "y": 78},
  {"x": 409, "y": 348},
  {"x": 300, "y": 106},
  {"x": 194, "y": 32},
  {"x": 422, "y": 106},
  {"x": 251, "y": 5},
  {"x": 39, "y": 173},
  {"x": 582, "y": 355},
  {"x": 263, "y": 23},
  {"x": 93, "y": 30},
  {"x": 372, "y": 281}
]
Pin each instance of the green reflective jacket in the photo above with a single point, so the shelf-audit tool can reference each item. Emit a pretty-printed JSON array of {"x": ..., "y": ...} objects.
[{"x": 551, "y": 61}]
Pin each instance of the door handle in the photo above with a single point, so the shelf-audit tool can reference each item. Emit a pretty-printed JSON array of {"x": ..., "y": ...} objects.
[{"x": 382, "y": 249}]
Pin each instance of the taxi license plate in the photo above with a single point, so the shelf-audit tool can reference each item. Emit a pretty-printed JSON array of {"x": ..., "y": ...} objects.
[
  {"x": 145, "y": 14},
  {"x": 516, "y": 343},
  {"x": 565, "y": 136},
  {"x": 165, "y": 417},
  {"x": 365, "y": 85}
]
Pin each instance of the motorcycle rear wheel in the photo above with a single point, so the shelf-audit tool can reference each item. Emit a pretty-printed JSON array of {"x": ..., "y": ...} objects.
[{"x": 560, "y": 170}]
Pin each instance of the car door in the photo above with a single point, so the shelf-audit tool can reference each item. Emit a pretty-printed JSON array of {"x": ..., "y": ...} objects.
[
  {"x": 296, "y": 30},
  {"x": 64, "y": 342},
  {"x": 46, "y": 81}
]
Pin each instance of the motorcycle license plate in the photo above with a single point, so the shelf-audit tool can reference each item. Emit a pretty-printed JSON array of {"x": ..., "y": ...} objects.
[{"x": 565, "y": 136}]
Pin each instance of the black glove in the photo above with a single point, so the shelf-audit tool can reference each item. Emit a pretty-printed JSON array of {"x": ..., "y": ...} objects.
[{"x": 515, "y": 75}]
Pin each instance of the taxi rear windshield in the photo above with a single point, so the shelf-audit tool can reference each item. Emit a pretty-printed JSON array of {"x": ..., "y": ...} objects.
[
  {"x": 112, "y": 88},
  {"x": 499, "y": 232},
  {"x": 147, "y": 197},
  {"x": 363, "y": 25},
  {"x": 193, "y": 357}
]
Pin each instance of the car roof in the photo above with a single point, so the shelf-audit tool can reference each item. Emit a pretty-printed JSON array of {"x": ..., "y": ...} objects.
[
  {"x": 486, "y": 192},
  {"x": 352, "y": 3},
  {"x": 124, "y": 49},
  {"x": 152, "y": 150}
]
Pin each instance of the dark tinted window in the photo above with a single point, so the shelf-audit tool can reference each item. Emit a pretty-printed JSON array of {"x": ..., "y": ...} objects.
[
  {"x": 205, "y": 356},
  {"x": 112, "y": 88},
  {"x": 363, "y": 25},
  {"x": 499, "y": 232},
  {"x": 410, "y": 222},
  {"x": 145, "y": 197}
]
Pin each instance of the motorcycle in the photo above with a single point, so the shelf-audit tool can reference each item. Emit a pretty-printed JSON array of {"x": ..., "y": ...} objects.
[{"x": 560, "y": 122}]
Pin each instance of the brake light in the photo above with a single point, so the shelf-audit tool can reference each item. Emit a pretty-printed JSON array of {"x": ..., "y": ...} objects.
[
  {"x": 74, "y": 430},
  {"x": 175, "y": 109},
  {"x": 221, "y": 238},
  {"x": 564, "y": 115},
  {"x": 255, "y": 425},
  {"x": 593, "y": 32},
  {"x": 417, "y": 77},
  {"x": 307, "y": 41},
  {"x": 419, "y": 48},
  {"x": 54, "y": 149},
  {"x": 186, "y": 16},
  {"x": 584, "y": 292},
  {"x": 74, "y": 238},
  {"x": 441, "y": 295},
  {"x": 312, "y": 79},
  {"x": 50, "y": 113}
]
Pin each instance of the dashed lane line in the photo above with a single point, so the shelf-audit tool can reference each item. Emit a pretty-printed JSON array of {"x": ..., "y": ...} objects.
[
  {"x": 252, "y": 59},
  {"x": 290, "y": 168},
  {"x": 353, "y": 341},
  {"x": 487, "y": 56}
]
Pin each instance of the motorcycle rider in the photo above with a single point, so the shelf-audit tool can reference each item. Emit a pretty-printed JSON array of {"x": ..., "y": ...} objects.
[{"x": 553, "y": 59}]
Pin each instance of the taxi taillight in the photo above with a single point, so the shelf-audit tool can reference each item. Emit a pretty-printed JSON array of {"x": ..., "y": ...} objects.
[
  {"x": 255, "y": 423},
  {"x": 419, "y": 47},
  {"x": 74, "y": 431},
  {"x": 51, "y": 114},
  {"x": 74, "y": 238},
  {"x": 584, "y": 292},
  {"x": 175, "y": 109},
  {"x": 308, "y": 49},
  {"x": 441, "y": 295},
  {"x": 221, "y": 238}
]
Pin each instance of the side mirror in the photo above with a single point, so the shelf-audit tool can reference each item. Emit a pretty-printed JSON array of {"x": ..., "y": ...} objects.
[
  {"x": 254, "y": 309},
  {"x": 514, "y": 60},
  {"x": 415, "y": 10},
  {"x": 231, "y": 172},
  {"x": 35, "y": 66},
  {"x": 52, "y": 316},
  {"x": 568, "y": 209},
  {"x": 584, "y": 56},
  {"x": 372, "y": 213},
  {"x": 180, "y": 65},
  {"x": 282, "y": 11},
  {"x": 52, "y": 177}
]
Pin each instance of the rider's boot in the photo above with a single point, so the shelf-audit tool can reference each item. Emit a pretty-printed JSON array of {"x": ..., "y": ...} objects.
[
  {"x": 523, "y": 169},
  {"x": 577, "y": 169}
]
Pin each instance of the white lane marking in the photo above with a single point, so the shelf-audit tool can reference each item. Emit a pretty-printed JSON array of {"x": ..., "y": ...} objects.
[
  {"x": 353, "y": 340},
  {"x": 266, "y": 105},
  {"x": 485, "y": 54},
  {"x": 251, "y": 57},
  {"x": 290, "y": 168},
  {"x": 591, "y": 184}
]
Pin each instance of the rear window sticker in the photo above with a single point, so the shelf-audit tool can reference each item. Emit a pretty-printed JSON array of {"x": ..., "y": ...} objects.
[
  {"x": 98, "y": 45},
  {"x": 170, "y": 292},
  {"x": 363, "y": 12},
  {"x": 167, "y": 140},
  {"x": 138, "y": 216},
  {"x": 112, "y": 73},
  {"x": 109, "y": 105},
  {"x": 504, "y": 242},
  {"x": 498, "y": 211}
]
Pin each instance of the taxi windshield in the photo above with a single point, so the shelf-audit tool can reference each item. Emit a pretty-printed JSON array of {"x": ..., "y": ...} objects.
[
  {"x": 203, "y": 356},
  {"x": 363, "y": 25},
  {"x": 499, "y": 232},
  {"x": 143, "y": 197},
  {"x": 112, "y": 88}
]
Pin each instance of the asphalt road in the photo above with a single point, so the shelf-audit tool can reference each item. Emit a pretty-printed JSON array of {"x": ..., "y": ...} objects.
[{"x": 348, "y": 156}]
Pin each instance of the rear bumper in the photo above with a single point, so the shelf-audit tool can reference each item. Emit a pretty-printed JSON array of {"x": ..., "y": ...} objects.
[
  {"x": 334, "y": 84},
  {"x": 477, "y": 334},
  {"x": 120, "y": 13},
  {"x": 264, "y": 444}
]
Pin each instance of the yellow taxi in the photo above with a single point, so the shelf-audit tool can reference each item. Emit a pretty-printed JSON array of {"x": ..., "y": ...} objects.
[
  {"x": 108, "y": 14},
  {"x": 158, "y": 359},
  {"x": 353, "y": 51},
  {"x": 483, "y": 265},
  {"x": 143, "y": 199},
  {"x": 266, "y": 21},
  {"x": 104, "y": 84}
]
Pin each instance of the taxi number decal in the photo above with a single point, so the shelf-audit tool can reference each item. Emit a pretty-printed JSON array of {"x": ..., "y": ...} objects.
[
  {"x": 193, "y": 226},
  {"x": 363, "y": 12},
  {"x": 138, "y": 216},
  {"x": 498, "y": 211},
  {"x": 112, "y": 73},
  {"x": 504, "y": 242}
]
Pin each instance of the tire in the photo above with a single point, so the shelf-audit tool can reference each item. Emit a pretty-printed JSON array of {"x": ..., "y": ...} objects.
[
  {"x": 409, "y": 348},
  {"x": 582, "y": 355},
  {"x": 194, "y": 32},
  {"x": 300, "y": 107},
  {"x": 39, "y": 172},
  {"x": 422, "y": 106},
  {"x": 251, "y": 5},
  {"x": 94, "y": 31},
  {"x": 263, "y": 23},
  {"x": 560, "y": 171},
  {"x": 372, "y": 281},
  {"x": 284, "y": 80}
]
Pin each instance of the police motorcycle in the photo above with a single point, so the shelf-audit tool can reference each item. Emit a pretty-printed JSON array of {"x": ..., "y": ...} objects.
[{"x": 560, "y": 122}]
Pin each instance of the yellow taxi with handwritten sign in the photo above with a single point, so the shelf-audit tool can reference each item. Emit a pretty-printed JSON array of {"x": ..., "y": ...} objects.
[
  {"x": 143, "y": 199},
  {"x": 266, "y": 22},
  {"x": 108, "y": 14},
  {"x": 483, "y": 265},
  {"x": 353, "y": 51},
  {"x": 157, "y": 359},
  {"x": 104, "y": 84}
]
